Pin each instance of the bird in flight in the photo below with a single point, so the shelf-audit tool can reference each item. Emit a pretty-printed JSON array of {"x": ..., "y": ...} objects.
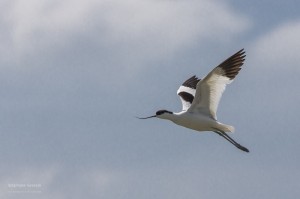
[{"x": 200, "y": 99}]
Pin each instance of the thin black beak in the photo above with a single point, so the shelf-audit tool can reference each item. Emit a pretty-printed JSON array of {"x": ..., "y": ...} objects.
[{"x": 146, "y": 117}]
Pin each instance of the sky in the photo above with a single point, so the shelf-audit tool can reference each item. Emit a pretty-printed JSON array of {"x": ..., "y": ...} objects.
[{"x": 75, "y": 74}]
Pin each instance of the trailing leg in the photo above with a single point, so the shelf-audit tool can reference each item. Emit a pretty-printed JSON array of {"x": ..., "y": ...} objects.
[{"x": 228, "y": 138}]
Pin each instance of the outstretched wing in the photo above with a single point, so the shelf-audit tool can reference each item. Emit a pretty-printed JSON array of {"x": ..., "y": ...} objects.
[
  {"x": 187, "y": 92},
  {"x": 209, "y": 90}
]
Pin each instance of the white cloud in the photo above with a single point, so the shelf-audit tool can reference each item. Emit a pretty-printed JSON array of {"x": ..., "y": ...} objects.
[
  {"x": 28, "y": 182},
  {"x": 279, "y": 49},
  {"x": 100, "y": 181},
  {"x": 140, "y": 28},
  {"x": 52, "y": 182},
  {"x": 171, "y": 22},
  {"x": 44, "y": 21}
]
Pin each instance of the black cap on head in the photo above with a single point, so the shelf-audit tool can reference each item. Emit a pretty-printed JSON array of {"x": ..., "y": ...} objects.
[{"x": 160, "y": 112}]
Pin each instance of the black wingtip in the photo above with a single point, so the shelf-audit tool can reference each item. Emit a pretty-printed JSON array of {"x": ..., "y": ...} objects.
[{"x": 232, "y": 65}]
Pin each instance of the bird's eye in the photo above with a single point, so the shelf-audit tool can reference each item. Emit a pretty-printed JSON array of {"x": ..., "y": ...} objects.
[{"x": 160, "y": 112}]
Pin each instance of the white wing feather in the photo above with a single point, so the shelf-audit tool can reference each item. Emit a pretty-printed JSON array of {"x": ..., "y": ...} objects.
[
  {"x": 183, "y": 89},
  {"x": 187, "y": 92},
  {"x": 210, "y": 89},
  {"x": 209, "y": 93}
]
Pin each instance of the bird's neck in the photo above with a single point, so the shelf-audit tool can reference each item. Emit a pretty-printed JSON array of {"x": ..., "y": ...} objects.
[{"x": 173, "y": 117}]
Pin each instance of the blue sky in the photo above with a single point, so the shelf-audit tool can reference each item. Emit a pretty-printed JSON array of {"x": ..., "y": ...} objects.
[{"x": 74, "y": 74}]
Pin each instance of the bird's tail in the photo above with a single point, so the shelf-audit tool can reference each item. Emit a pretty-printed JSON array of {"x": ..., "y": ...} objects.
[{"x": 226, "y": 128}]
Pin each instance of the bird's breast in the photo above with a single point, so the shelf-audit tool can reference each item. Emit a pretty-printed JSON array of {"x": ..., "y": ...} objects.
[{"x": 195, "y": 121}]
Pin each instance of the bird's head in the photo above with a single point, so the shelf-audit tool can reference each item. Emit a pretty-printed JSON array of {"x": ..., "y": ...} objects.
[{"x": 162, "y": 114}]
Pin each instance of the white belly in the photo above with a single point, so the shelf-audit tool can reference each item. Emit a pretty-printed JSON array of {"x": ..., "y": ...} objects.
[{"x": 196, "y": 122}]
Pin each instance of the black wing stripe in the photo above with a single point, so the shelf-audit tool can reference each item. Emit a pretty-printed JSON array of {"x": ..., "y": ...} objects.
[
  {"x": 191, "y": 82},
  {"x": 186, "y": 97}
]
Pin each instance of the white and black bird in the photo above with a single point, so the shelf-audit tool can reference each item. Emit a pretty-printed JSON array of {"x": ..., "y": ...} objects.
[{"x": 200, "y": 99}]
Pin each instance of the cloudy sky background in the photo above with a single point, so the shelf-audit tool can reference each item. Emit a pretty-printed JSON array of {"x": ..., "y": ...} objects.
[{"x": 74, "y": 74}]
